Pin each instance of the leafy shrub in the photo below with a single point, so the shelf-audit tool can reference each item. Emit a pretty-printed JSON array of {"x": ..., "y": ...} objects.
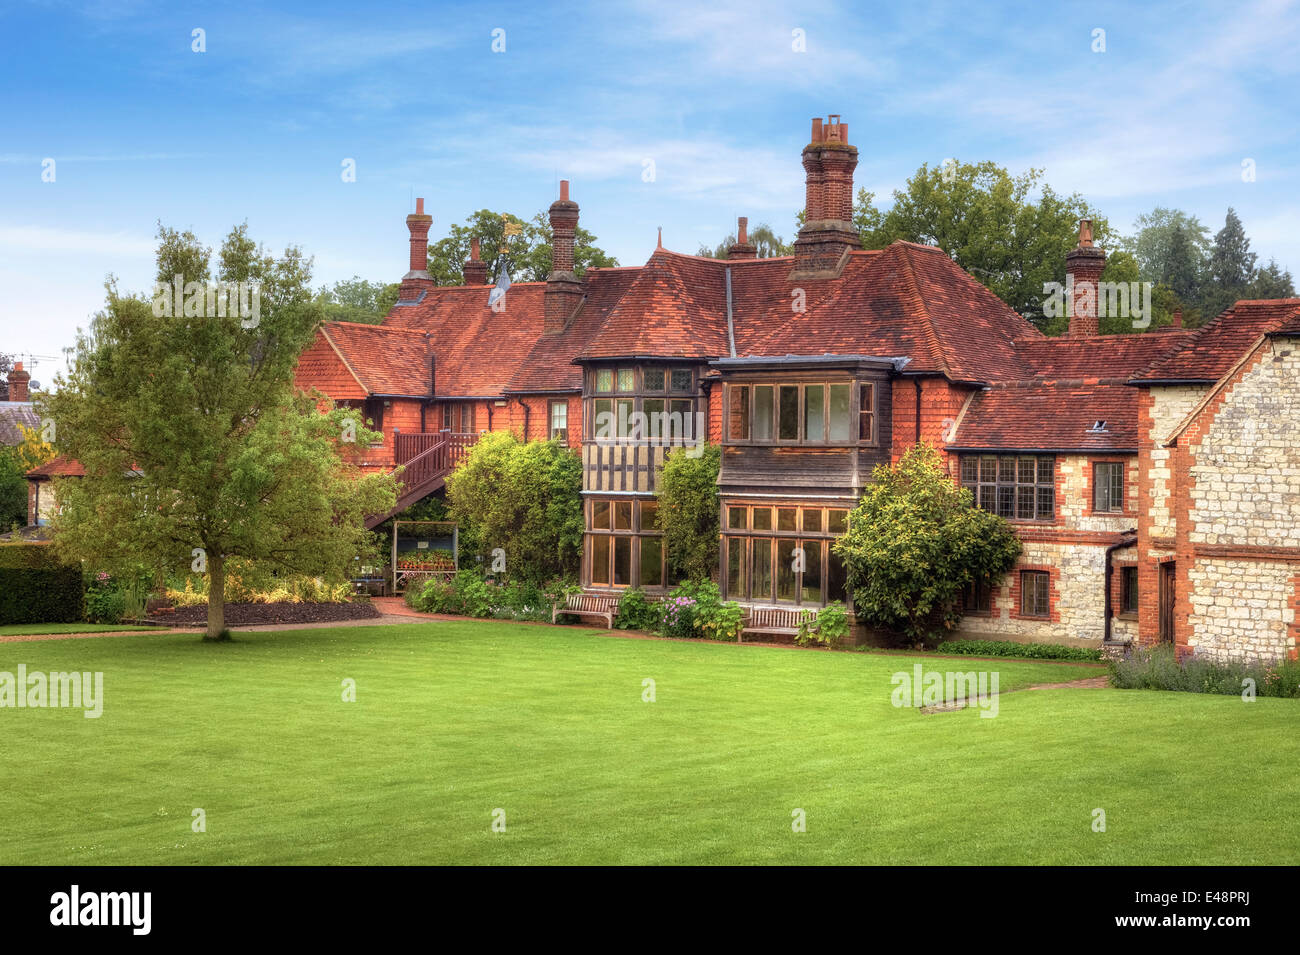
[
  {"x": 105, "y": 602},
  {"x": 1028, "y": 651},
  {"x": 688, "y": 510},
  {"x": 247, "y": 584},
  {"x": 1158, "y": 668},
  {"x": 828, "y": 628},
  {"x": 915, "y": 541},
  {"x": 637, "y": 612},
  {"x": 36, "y": 588},
  {"x": 466, "y": 594},
  {"x": 522, "y": 600},
  {"x": 722, "y": 621},
  {"x": 677, "y": 616}
]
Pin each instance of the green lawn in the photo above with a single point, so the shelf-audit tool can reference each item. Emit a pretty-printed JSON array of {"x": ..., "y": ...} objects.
[
  {"x": 455, "y": 720},
  {"x": 27, "y": 629}
]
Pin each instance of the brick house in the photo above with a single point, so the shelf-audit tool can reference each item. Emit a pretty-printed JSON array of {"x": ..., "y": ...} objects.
[{"x": 1153, "y": 478}]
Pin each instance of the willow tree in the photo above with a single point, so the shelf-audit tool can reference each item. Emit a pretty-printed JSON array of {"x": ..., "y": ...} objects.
[{"x": 181, "y": 406}]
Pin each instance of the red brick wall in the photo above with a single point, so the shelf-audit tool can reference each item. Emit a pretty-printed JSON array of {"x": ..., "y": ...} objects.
[{"x": 941, "y": 403}]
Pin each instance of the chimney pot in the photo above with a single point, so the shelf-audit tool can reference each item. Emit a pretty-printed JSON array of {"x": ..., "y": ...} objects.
[
  {"x": 419, "y": 207},
  {"x": 475, "y": 270},
  {"x": 742, "y": 230},
  {"x": 1178, "y": 318},
  {"x": 564, "y": 190}
]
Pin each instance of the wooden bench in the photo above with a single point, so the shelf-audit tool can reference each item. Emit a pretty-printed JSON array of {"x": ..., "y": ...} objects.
[
  {"x": 604, "y": 606},
  {"x": 780, "y": 621}
]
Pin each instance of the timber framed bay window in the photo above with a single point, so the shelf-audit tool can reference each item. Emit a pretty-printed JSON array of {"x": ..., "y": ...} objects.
[
  {"x": 624, "y": 548},
  {"x": 1020, "y": 487},
  {"x": 782, "y": 553},
  {"x": 653, "y": 403},
  {"x": 801, "y": 413}
]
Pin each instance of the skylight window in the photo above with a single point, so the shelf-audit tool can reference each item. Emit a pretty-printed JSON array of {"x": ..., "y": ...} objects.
[{"x": 1098, "y": 427}]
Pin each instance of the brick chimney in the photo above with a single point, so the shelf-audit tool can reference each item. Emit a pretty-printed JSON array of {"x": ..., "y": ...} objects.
[
  {"x": 828, "y": 232},
  {"x": 1177, "y": 321},
  {"x": 18, "y": 379},
  {"x": 1083, "y": 268},
  {"x": 475, "y": 269},
  {"x": 563, "y": 290},
  {"x": 742, "y": 249},
  {"x": 417, "y": 279}
]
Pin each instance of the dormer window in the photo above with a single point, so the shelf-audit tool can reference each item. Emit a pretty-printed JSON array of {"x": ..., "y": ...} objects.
[{"x": 1098, "y": 427}]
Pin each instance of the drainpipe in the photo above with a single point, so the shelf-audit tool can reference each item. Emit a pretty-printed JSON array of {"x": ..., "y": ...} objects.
[
  {"x": 917, "y": 383},
  {"x": 1124, "y": 541}
]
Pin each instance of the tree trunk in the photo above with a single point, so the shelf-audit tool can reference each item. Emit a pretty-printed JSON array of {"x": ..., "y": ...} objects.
[{"x": 216, "y": 599}]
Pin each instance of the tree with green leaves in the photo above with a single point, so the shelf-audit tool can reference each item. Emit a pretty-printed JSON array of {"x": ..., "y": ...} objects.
[
  {"x": 688, "y": 511},
  {"x": 1163, "y": 253},
  {"x": 915, "y": 541},
  {"x": 524, "y": 497},
  {"x": 1230, "y": 268},
  {"x": 526, "y": 253},
  {"x": 765, "y": 241},
  {"x": 196, "y": 444},
  {"x": 358, "y": 300},
  {"x": 1271, "y": 281},
  {"x": 1011, "y": 233}
]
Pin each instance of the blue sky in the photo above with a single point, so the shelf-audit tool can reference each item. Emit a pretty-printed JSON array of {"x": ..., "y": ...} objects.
[{"x": 143, "y": 129}]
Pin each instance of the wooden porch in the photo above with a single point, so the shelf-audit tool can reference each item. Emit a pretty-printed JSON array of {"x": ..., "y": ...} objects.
[{"x": 424, "y": 459}]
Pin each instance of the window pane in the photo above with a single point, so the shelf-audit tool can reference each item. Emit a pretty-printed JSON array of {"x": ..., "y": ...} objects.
[
  {"x": 605, "y": 380},
  {"x": 969, "y": 469},
  {"x": 649, "y": 514},
  {"x": 812, "y": 520},
  {"x": 836, "y": 579},
  {"x": 622, "y": 561},
  {"x": 600, "y": 559},
  {"x": 736, "y": 518},
  {"x": 763, "y": 395},
  {"x": 600, "y": 515},
  {"x": 448, "y": 417},
  {"x": 762, "y": 551},
  {"x": 866, "y": 411},
  {"x": 652, "y": 561},
  {"x": 626, "y": 379},
  {"x": 623, "y": 408},
  {"x": 988, "y": 469},
  {"x": 788, "y": 421},
  {"x": 736, "y": 568},
  {"x": 841, "y": 417},
  {"x": 681, "y": 419},
  {"x": 559, "y": 416},
  {"x": 785, "y": 578},
  {"x": 1026, "y": 470},
  {"x": 1006, "y": 501},
  {"x": 814, "y": 412},
  {"x": 1007, "y": 469},
  {"x": 1129, "y": 588},
  {"x": 653, "y": 410},
  {"x": 1046, "y": 470},
  {"x": 787, "y": 519},
  {"x": 762, "y": 518},
  {"x": 837, "y": 521},
  {"x": 1117, "y": 487},
  {"x": 812, "y": 576},
  {"x": 988, "y": 497},
  {"x": 1046, "y": 503},
  {"x": 602, "y": 425},
  {"x": 1025, "y": 503},
  {"x": 681, "y": 379},
  {"x": 738, "y": 412},
  {"x": 654, "y": 379},
  {"x": 622, "y": 515}
]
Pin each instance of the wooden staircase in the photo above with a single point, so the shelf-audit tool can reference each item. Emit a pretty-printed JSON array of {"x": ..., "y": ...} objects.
[{"x": 424, "y": 461}]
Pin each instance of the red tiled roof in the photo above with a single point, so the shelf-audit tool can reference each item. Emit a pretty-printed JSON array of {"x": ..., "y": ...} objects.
[
  {"x": 478, "y": 350},
  {"x": 387, "y": 361},
  {"x": 549, "y": 365},
  {"x": 907, "y": 300},
  {"x": 1209, "y": 352},
  {"x": 1051, "y": 416},
  {"x": 61, "y": 466},
  {"x": 1098, "y": 356}
]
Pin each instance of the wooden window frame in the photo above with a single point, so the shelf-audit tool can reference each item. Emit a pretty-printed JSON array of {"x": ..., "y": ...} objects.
[
  {"x": 801, "y": 438},
  {"x": 800, "y": 536},
  {"x": 551, "y": 430},
  {"x": 1129, "y": 590},
  {"x": 635, "y": 533},
  {"x": 1015, "y": 485},
  {"x": 1033, "y": 614},
  {"x": 1116, "y": 506}
]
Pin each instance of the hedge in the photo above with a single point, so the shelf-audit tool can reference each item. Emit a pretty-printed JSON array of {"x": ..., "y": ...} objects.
[
  {"x": 36, "y": 588},
  {"x": 1008, "y": 648}
]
